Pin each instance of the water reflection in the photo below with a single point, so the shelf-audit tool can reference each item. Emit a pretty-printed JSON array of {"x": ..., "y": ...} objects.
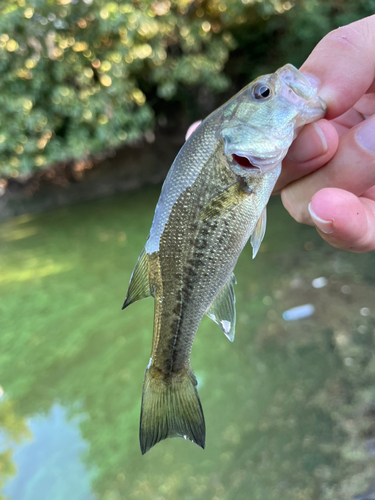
[
  {"x": 288, "y": 405},
  {"x": 49, "y": 465}
]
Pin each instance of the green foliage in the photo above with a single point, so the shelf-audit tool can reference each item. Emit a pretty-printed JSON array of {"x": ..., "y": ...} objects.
[
  {"x": 72, "y": 71},
  {"x": 81, "y": 76},
  {"x": 13, "y": 430}
]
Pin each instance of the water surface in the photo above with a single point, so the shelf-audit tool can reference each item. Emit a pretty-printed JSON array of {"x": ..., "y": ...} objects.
[{"x": 289, "y": 406}]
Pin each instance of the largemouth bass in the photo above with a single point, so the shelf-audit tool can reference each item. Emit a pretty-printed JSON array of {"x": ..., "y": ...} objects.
[{"x": 212, "y": 201}]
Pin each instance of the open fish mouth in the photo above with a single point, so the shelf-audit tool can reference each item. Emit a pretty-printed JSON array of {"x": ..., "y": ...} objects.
[
  {"x": 243, "y": 162},
  {"x": 247, "y": 163}
]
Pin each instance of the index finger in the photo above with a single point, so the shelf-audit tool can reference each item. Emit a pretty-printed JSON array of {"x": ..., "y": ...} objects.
[{"x": 343, "y": 62}]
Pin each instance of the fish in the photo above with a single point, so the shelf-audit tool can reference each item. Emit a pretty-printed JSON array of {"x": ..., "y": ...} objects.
[{"x": 212, "y": 202}]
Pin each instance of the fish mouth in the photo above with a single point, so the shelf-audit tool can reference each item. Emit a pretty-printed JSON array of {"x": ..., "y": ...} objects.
[
  {"x": 247, "y": 163},
  {"x": 243, "y": 162}
]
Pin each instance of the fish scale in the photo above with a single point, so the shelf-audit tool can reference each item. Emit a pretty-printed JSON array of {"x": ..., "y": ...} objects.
[{"x": 212, "y": 201}]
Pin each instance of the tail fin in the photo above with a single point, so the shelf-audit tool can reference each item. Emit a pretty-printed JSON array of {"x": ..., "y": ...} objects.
[{"x": 170, "y": 408}]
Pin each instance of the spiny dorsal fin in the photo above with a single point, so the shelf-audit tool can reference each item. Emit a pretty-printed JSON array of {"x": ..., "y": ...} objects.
[
  {"x": 139, "y": 286},
  {"x": 259, "y": 232},
  {"x": 222, "y": 309},
  {"x": 224, "y": 202}
]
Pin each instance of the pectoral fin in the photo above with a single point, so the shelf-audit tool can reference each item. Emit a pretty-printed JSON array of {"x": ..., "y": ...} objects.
[
  {"x": 259, "y": 232},
  {"x": 139, "y": 286},
  {"x": 223, "y": 310},
  {"x": 224, "y": 202}
]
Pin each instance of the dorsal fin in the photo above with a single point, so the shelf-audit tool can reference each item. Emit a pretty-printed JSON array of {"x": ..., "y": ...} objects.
[
  {"x": 222, "y": 309},
  {"x": 139, "y": 286},
  {"x": 259, "y": 232}
]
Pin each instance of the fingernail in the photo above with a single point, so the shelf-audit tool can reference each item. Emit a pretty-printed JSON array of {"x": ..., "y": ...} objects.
[
  {"x": 191, "y": 129},
  {"x": 323, "y": 146},
  {"x": 325, "y": 226},
  {"x": 310, "y": 144},
  {"x": 365, "y": 135}
]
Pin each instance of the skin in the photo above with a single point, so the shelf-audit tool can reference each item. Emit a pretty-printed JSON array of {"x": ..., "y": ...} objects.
[
  {"x": 332, "y": 162},
  {"x": 330, "y": 168}
]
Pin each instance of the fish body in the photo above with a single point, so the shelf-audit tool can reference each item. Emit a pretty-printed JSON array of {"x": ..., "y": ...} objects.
[{"x": 212, "y": 201}]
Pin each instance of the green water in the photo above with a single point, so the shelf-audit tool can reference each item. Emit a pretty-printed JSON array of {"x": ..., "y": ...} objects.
[{"x": 289, "y": 406}]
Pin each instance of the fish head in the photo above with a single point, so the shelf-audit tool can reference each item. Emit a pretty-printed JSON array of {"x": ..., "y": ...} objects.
[{"x": 259, "y": 123}]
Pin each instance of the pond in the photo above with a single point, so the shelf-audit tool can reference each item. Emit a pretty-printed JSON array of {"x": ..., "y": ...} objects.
[{"x": 289, "y": 406}]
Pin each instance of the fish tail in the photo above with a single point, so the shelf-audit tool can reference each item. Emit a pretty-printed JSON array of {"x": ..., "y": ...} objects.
[{"x": 170, "y": 408}]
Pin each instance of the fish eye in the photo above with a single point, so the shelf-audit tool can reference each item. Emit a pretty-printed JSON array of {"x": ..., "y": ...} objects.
[{"x": 261, "y": 91}]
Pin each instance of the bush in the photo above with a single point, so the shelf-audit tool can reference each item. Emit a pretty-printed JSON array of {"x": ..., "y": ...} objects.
[
  {"x": 81, "y": 76},
  {"x": 71, "y": 73}
]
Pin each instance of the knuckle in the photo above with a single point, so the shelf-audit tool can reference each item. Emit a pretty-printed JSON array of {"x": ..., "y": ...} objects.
[
  {"x": 365, "y": 244},
  {"x": 296, "y": 210},
  {"x": 346, "y": 37},
  {"x": 302, "y": 217}
]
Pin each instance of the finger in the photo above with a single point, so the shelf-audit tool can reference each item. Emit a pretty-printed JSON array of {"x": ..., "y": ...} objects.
[
  {"x": 191, "y": 129},
  {"x": 346, "y": 121},
  {"x": 314, "y": 147},
  {"x": 344, "y": 64},
  {"x": 352, "y": 168},
  {"x": 366, "y": 105},
  {"x": 344, "y": 220},
  {"x": 370, "y": 193},
  {"x": 349, "y": 119}
]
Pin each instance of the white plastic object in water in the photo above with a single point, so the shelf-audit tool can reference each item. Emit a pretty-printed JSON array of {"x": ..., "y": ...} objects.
[{"x": 299, "y": 312}]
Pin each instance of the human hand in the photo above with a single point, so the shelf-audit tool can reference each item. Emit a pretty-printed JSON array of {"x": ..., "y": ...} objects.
[{"x": 332, "y": 162}]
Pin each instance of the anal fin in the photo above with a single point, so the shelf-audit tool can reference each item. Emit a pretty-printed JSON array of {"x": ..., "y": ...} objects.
[
  {"x": 222, "y": 309},
  {"x": 259, "y": 232},
  {"x": 139, "y": 286}
]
